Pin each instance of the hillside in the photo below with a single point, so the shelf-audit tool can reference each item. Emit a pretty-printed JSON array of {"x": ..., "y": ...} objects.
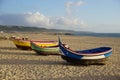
[
  {"x": 34, "y": 29},
  {"x": 20, "y": 29}
]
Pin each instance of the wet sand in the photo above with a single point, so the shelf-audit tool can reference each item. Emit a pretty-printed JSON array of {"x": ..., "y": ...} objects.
[{"x": 18, "y": 64}]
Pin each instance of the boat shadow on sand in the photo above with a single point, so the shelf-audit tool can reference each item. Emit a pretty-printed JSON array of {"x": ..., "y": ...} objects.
[
  {"x": 8, "y": 48},
  {"x": 87, "y": 77},
  {"x": 39, "y": 62},
  {"x": 14, "y": 51},
  {"x": 32, "y": 53},
  {"x": 17, "y": 51}
]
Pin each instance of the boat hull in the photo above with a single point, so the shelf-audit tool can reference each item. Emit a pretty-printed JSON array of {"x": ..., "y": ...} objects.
[
  {"x": 25, "y": 44},
  {"x": 84, "y": 61},
  {"x": 22, "y": 44},
  {"x": 49, "y": 50},
  {"x": 90, "y": 56},
  {"x": 23, "y": 47}
]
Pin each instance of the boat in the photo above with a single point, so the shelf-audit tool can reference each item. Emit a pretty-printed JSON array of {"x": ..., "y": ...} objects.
[
  {"x": 24, "y": 43},
  {"x": 45, "y": 50},
  {"x": 90, "y": 56}
]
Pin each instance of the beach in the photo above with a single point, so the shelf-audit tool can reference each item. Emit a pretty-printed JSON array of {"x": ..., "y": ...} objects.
[{"x": 16, "y": 64}]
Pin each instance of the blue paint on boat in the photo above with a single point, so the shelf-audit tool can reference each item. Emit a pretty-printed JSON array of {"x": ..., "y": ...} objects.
[
  {"x": 108, "y": 54},
  {"x": 101, "y": 51}
]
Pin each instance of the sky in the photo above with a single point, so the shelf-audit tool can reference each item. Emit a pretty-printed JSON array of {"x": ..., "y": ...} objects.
[{"x": 101, "y": 16}]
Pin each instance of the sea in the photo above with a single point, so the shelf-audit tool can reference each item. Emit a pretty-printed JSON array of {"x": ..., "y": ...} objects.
[{"x": 114, "y": 35}]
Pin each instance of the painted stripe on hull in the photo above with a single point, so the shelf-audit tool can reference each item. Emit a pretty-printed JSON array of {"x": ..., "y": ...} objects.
[
  {"x": 97, "y": 57},
  {"x": 93, "y": 57},
  {"x": 45, "y": 50}
]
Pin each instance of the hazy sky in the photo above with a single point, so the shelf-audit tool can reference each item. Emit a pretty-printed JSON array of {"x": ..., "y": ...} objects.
[{"x": 86, "y": 15}]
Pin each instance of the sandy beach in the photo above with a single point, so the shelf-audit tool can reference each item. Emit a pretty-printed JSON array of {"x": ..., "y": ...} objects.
[{"x": 18, "y": 64}]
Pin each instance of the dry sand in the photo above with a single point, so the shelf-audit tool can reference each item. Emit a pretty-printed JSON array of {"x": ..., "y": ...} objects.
[{"x": 18, "y": 64}]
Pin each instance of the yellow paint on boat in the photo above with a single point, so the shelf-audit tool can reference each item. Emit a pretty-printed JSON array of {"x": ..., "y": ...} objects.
[{"x": 26, "y": 43}]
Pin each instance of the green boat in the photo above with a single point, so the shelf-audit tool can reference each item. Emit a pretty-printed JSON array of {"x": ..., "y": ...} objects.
[{"x": 46, "y": 50}]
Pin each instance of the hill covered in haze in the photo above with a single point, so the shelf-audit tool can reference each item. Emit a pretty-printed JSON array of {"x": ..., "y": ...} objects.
[
  {"x": 4, "y": 28},
  {"x": 8, "y": 29}
]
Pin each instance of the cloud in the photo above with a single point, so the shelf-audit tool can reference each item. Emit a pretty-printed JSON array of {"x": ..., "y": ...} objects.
[
  {"x": 39, "y": 20},
  {"x": 68, "y": 9},
  {"x": 71, "y": 4},
  {"x": 68, "y": 22},
  {"x": 79, "y": 3}
]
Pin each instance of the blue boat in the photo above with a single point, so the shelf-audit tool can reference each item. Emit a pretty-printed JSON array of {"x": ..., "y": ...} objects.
[{"x": 90, "y": 56}]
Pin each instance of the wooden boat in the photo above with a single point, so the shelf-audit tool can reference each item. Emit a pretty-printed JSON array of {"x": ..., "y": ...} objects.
[
  {"x": 25, "y": 43},
  {"x": 45, "y": 50},
  {"x": 90, "y": 56},
  {"x": 22, "y": 44}
]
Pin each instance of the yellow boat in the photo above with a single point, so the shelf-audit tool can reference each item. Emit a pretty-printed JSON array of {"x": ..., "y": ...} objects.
[{"x": 25, "y": 44}]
